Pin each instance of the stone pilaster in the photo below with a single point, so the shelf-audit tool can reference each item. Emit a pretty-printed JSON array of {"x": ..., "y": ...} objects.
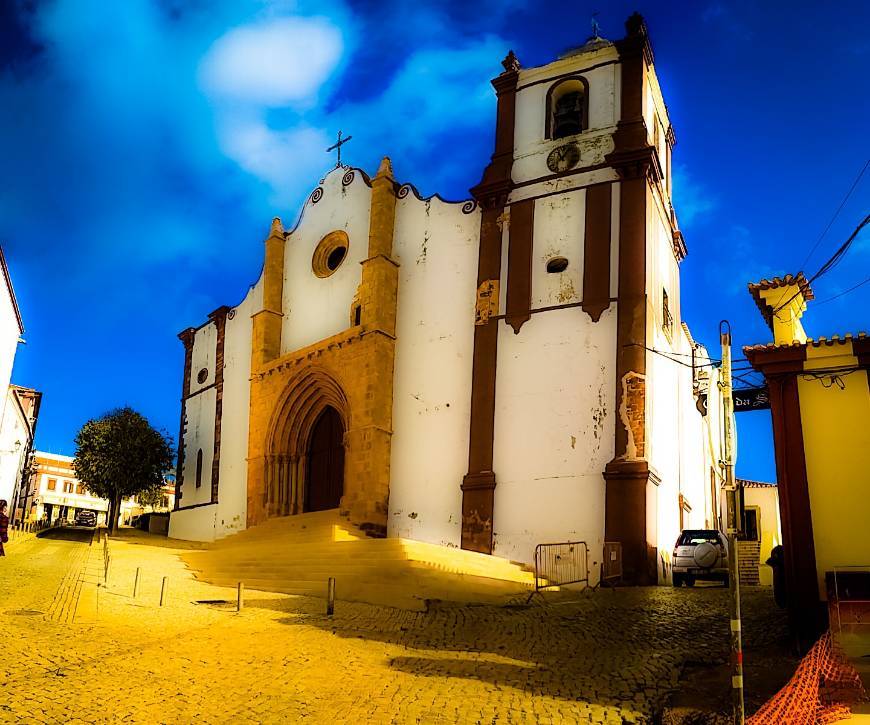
[
  {"x": 630, "y": 485},
  {"x": 478, "y": 484},
  {"x": 219, "y": 317},
  {"x": 368, "y": 441},
  {"x": 186, "y": 338},
  {"x": 266, "y": 342}
]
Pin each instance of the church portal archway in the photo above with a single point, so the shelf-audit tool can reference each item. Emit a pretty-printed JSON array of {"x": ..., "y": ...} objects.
[
  {"x": 324, "y": 472},
  {"x": 305, "y": 450}
]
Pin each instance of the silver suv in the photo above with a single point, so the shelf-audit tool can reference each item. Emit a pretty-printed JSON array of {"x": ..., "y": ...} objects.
[{"x": 700, "y": 554}]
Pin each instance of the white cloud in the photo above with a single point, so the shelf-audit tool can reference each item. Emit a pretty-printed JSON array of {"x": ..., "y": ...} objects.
[
  {"x": 691, "y": 200},
  {"x": 273, "y": 63},
  {"x": 435, "y": 93},
  {"x": 288, "y": 160}
]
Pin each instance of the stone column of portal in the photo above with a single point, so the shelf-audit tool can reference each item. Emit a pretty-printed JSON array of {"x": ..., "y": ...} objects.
[
  {"x": 368, "y": 441},
  {"x": 265, "y": 347},
  {"x": 630, "y": 496}
]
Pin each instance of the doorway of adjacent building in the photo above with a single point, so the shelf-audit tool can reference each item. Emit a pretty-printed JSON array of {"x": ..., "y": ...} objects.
[{"x": 324, "y": 479}]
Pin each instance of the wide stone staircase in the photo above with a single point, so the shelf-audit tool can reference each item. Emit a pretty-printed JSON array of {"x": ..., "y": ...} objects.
[{"x": 298, "y": 554}]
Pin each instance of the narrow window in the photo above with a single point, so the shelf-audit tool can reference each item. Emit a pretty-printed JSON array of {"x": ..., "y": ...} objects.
[
  {"x": 567, "y": 108},
  {"x": 199, "y": 468},
  {"x": 80, "y": 489},
  {"x": 52, "y": 484},
  {"x": 667, "y": 318},
  {"x": 357, "y": 315}
]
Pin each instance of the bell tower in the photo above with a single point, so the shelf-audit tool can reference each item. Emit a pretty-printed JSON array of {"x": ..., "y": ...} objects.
[{"x": 581, "y": 164}]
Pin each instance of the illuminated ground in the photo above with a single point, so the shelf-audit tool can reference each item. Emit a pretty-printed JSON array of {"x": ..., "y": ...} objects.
[{"x": 595, "y": 657}]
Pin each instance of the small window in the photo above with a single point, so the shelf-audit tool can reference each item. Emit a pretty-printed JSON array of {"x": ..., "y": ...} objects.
[
  {"x": 567, "y": 108},
  {"x": 202, "y": 376},
  {"x": 556, "y": 265},
  {"x": 80, "y": 489},
  {"x": 357, "y": 315},
  {"x": 667, "y": 317},
  {"x": 67, "y": 486},
  {"x": 199, "y": 468},
  {"x": 52, "y": 484},
  {"x": 329, "y": 254}
]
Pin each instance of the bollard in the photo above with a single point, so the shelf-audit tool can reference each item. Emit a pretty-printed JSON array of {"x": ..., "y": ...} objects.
[
  {"x": 330, "y": 596},
  {"x": 136, "y": 584},
  {"x": 163, "y": 591},
  {"x": 240, "y": 597}
]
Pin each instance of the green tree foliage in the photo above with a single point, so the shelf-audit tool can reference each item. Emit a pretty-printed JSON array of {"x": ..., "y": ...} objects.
[
  {"x": 152, "y": 497},
  {"x": 121, "y": 455}
]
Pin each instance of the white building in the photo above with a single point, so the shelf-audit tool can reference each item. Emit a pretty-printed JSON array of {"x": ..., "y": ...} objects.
[
  {"x": 19, "y": 407},
  {"x": 57, "y": 495},
  {"x": 17, "y": 428},
  {"x": 492, "y": 373}
]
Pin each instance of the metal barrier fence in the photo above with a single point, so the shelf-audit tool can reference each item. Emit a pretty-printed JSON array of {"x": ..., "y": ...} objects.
[
  {"x": 559, "y": 564},
  {"x": 848, "y": 597}
]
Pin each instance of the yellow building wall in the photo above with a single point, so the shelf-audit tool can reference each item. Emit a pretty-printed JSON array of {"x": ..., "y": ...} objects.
[
  {"x": 766, "y": 501},
  {"x": 835, "y": 416}
]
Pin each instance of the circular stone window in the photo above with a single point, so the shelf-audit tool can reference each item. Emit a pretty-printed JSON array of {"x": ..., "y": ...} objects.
[
  {"x": 201, "y": 376},
  {"x": 556, "y": 265},
  {"x": 330, "y": 252}
]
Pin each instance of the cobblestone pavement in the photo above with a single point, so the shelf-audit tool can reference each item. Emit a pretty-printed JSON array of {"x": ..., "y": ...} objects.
[{"x": 607, "y": 656}]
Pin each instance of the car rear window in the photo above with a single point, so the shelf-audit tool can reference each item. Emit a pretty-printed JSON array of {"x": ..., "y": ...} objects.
[{"x": 693, "y": 538}]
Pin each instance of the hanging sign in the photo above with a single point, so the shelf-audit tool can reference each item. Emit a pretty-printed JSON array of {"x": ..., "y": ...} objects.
[{"x": 751, "y": 399}]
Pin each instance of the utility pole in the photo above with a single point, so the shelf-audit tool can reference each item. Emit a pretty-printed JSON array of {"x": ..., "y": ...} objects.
[{"x": 733, "y": 518}]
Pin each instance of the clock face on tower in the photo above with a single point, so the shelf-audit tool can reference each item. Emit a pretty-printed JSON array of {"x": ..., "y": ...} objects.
[{"x": 563, "y": 158}]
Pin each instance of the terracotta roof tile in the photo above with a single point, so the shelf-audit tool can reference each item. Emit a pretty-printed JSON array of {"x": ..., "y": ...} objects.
[
  {"x": 748, "y": 483},
  {"x": 756, "y": 288}
]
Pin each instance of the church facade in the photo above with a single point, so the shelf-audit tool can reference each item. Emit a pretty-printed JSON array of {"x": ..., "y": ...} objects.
[{"x": 489, "y": 374}]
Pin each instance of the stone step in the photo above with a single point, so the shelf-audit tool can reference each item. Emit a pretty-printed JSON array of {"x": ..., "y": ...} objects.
[{"x": 298, "y": 554}]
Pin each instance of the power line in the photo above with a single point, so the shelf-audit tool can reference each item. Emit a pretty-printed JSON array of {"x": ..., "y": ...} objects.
[
  {"x": 844, "y": 292},
  {"x": 667, "y": 356},
  {"x": 836, "y": 213},
  {"x": 832, "y": 262}
]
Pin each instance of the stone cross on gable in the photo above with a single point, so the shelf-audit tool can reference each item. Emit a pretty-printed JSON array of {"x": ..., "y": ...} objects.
[{"x": 337, "y": 147}]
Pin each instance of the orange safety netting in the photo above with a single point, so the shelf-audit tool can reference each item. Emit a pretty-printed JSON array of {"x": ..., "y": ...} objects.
[{"x": 819, "y": 691}]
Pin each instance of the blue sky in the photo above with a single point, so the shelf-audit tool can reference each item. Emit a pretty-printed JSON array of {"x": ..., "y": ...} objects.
[{"x": 146, "y": 145}]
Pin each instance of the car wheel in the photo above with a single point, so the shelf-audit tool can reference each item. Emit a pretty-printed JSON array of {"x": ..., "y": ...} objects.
[
  {"x": 690, "y": 581},
  {"x": 678, "y": 580}
]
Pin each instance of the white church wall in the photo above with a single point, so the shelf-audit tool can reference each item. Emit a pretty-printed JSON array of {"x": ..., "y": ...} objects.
[
  {"x": 316, "y": 308},
  {"x": 203, "y": 356},
  {"x": 666, "y": 396},
  {"x": 199, "y": 435},
  {"x": 436, "y": 246},
  {"x": 558, "y": 232},
  {"x": 233, "y": 485},
  {"x": 530, "y": 147},
  {"x": 554, "y": 431},
  {"x": 554, "y": 425},
  {"x": 196, "y": 524}
]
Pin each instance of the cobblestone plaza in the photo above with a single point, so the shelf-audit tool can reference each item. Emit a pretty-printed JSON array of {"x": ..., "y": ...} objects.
[{"x": 75, "y": 652}]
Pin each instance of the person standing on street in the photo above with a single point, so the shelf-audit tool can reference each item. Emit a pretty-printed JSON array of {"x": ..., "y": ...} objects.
[{"x": 4, "y": 526}]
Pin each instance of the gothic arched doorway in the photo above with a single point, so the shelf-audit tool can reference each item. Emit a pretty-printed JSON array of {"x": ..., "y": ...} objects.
[{"x": 324, "y": 472}]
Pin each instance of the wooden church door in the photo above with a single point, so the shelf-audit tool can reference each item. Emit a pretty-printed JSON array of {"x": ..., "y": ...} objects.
[{"x": 324, "y": 482}]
